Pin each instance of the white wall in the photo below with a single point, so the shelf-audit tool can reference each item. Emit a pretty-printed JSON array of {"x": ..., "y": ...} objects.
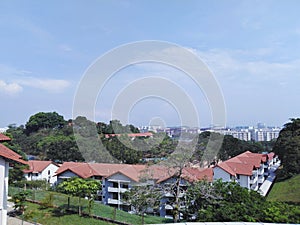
[
  {"x": 120, "y": 177},
  {"x": 65, "y": 175},
  {"x": 221, "y": 174},
  {"x": 48, "y": 173},
  {"x": 244, "y": 181},
  {"x": 3, "y": 190}
]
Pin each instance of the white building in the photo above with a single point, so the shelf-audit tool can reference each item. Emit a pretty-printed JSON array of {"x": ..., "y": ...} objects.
[
  {"x": 41, "y": 170},
  {"x": 247, "y": 169},
  {"x": 7, "y": 156}
]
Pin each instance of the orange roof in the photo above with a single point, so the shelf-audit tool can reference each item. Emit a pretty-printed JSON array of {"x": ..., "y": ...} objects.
[
  {"x": 134, "y": 172},
  {"x": 4, "y": 138},
  {"x": 195, "y": 174},
  {"x": 242, "y": 164},
  {"x": 37, "y": 166},
  {"x": 147, "y": 134},
  {"x": 9, "y": 154},
  {"x": 83, "y": 170}
]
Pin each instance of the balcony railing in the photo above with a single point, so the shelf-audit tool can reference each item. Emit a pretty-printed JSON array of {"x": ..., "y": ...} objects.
[
  {"x": 253, "y": 180},
  {"x": 121, "y": 190},
  {"x": 114, "y": 201},
  {"x": 261, "y": 179}
]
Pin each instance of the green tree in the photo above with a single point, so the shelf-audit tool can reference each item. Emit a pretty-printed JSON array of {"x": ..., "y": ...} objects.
[
  {"x": 42, "y": 120},
  {"x": 221, "y": 201},
  {"x": 143, "y": 198},
  {"x": 19, "y": 201},
  {"x": 81, "y": 188},
  {"x": 287, "y": 147},
  {"x": 59, "y": 148}
]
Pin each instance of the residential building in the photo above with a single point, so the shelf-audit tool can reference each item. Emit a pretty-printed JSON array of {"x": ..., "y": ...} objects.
[
  {"x": 118, "y": 178},
  {"x": 7, "y": 156},
  {"x": 41, "y": 170},
  {"x": 247, "y": 169}
]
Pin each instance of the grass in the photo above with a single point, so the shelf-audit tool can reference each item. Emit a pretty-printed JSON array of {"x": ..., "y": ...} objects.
[
  {"x": 50, "y": 216},
  {"x": 98, "y": 209},
  {"x": 286, "y": 191}
]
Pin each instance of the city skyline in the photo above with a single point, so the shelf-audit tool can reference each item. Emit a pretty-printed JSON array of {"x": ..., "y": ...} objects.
[{"x": 251, "y": 47}]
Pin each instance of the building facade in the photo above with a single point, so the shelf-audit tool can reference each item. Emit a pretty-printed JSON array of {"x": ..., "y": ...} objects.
[{"x": 41, "y": 170}]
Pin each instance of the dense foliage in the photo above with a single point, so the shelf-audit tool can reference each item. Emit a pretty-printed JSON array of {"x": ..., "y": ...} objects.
[
  {"x": 230, "y": 147},
  {"x": 81, "y": 188},
  {"x": 287, "y": 147},
  {"x": 226, "y": 202}
]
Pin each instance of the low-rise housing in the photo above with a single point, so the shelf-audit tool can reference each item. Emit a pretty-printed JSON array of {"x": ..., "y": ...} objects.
[
  {"x": 248, "y": 169},
  {"x": 41, "y": 170},
  {"x": 118, "y": 178},
  {"x": 6, "y": 157}
]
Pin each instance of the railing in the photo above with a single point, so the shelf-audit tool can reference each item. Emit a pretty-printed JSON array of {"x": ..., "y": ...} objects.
[
  {"x": 114, "y": 201},
  {"x": 121, "y": 190},
  {"x": 254, "y": 180}
]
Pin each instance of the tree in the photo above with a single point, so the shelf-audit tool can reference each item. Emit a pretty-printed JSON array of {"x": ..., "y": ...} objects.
[
  {"x": 287, "y": 147},
  {"x": 81, "y": 188},
  {"x": 143, "y": 198},
  {"x": 42, "y": 120},
  {"x": 59, "y": 148},
  {"x": 19, "y": 201},
  {"x": 175, "y": 186},
  {"x": 221, "y": 201}
]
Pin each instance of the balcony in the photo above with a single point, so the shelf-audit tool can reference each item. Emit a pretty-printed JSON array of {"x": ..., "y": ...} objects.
[
  {"x": 114, "y": 201},
  {"x": 254, "y": 173},
  {"x": 261, "y": 179},
  {"x": 117, "y": 190},
  {"x": 260, "y": 171},
  {"x": 253, "y": 180},
  {"x": 254, "y": 187}
]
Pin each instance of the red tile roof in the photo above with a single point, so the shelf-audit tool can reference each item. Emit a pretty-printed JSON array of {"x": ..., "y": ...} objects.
[
  {"x": 4, "y": 138},
  {"x": 9, "y": 154},
  {"x": 243, "y": 164},
  {"x": 37, "y": 166},
  {"x": 134, "y": 172}
]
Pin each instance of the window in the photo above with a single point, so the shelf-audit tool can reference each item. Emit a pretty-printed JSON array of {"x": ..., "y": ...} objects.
[
  {"x": 238, "y": 176},
  {"x": 48, "y": 172},
  {"x": 115, "y": 196},
  {"x": 115, "y": 185}
]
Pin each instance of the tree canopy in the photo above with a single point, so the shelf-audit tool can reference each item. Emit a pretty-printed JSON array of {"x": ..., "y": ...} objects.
[
  {"x": 42, "y": 120},
  {"x": 287, "y": 147}
]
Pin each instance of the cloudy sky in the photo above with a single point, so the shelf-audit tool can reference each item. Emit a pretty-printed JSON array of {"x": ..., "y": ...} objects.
[{"x": 251, "y": 47}]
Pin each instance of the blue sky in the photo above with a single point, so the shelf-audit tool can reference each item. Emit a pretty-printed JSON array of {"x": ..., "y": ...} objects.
[{"x": 252, "y": 47}]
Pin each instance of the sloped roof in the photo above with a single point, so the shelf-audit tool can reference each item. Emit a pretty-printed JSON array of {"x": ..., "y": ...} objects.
[
  {"x": 195, "y": 174},
  {"x": 9, "y": 154},
  {"x": 243, "y": 164},
  {"x": 37, "y": 166},
  {"x": 134, "y": 172},
  {"x": 4, "y": 138},
  {"x": 83, "y": 170}
]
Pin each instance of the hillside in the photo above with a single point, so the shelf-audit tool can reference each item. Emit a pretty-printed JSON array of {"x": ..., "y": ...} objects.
[{"x": 286, "y": 191}]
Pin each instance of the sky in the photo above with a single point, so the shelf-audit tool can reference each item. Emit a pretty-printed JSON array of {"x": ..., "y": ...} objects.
[{"x": 252, "y": 48}]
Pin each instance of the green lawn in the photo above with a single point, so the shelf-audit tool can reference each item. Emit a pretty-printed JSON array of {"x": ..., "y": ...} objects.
[
  {"x": 286, "y": 191},
  {"x": 52, "y": 216},
  {"x": 98, "y": 209}
]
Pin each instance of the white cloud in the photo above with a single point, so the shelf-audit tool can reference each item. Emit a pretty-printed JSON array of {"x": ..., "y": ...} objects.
[
  {"x": 51, "y": 85},
  {"x": 14, "y": 80},
  {"x": 239, "y": 65},
  {"x": 10, "y": 88}
]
